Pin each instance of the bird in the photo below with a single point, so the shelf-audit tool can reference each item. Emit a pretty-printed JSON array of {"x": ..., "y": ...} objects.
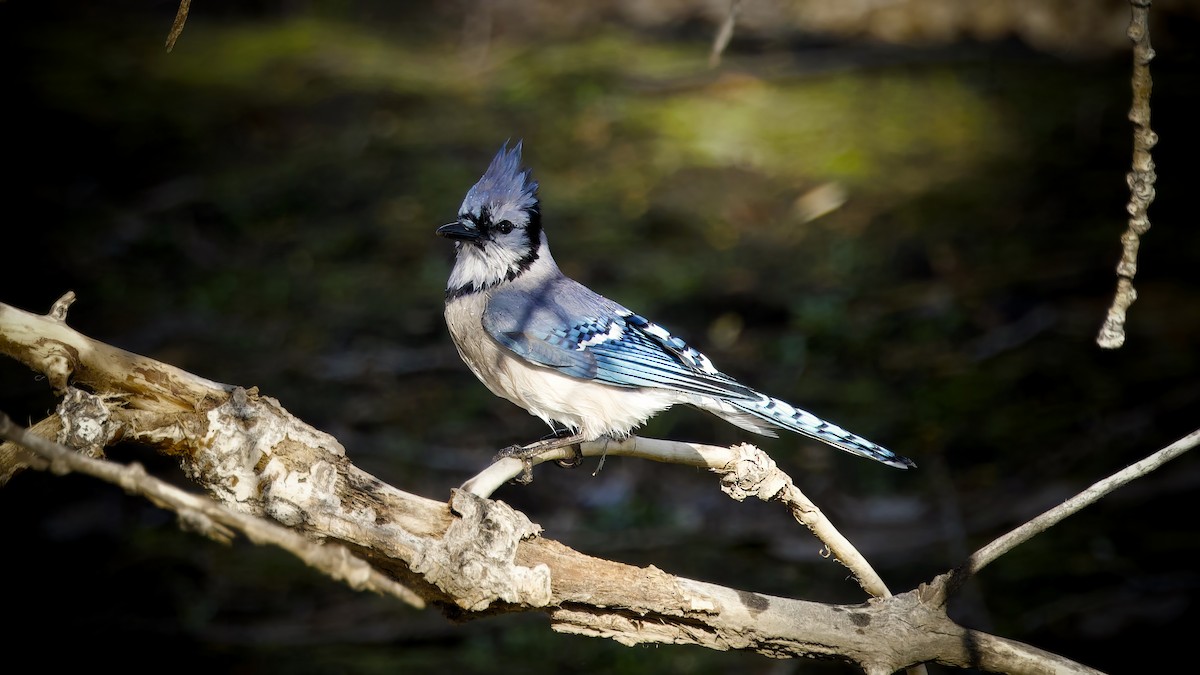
[{"x": 586, "y": 365}]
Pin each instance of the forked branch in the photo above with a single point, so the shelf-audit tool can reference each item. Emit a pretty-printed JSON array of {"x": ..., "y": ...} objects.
[{"x": 258, "y": 463}]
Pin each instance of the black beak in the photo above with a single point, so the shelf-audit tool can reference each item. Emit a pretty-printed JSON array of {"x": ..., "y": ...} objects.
[{"x": 460, "y": 230}]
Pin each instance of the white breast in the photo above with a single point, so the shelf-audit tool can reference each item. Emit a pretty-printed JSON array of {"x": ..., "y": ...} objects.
[{"x": 584, "y": 406}]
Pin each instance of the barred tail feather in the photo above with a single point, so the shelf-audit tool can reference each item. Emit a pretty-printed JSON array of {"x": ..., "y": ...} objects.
[{"x": 785, "y": 416}]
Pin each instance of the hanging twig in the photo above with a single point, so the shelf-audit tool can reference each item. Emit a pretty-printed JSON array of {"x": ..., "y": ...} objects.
[
  {"x": 724, "y": 34},
  {"x": 181, "y": 16},
  {"x": 1140, "y": 178}
]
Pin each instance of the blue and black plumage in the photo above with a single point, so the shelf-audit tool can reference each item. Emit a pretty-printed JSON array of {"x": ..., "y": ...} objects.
[{"x": 571, "y": 356}]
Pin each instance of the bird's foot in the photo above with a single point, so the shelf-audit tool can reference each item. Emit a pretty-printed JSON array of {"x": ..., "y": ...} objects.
[
  {"x": 526, "y": 453},
  {"x": 521, "y": 453},
  {"x": 576, "y": 458}
]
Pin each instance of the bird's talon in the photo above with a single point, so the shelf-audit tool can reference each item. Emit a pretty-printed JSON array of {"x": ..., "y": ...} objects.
[
  {"x": 526, "y": 476},
  {"x": 525, "y": 455},
  {"x": 511, "y": 451},
  {"x": 575, "y": 460}
]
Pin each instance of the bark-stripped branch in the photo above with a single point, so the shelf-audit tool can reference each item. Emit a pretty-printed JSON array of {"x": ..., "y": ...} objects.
[
  {"x": 209, "y": 518},
  {"x": 470, "y": 556},
  {"x": 1010, "y": 540},
  {"x": 745, "y": 471}
]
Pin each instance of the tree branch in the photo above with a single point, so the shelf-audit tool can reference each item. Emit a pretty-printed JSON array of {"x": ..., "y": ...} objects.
[
  {"x": 472, "y": 556},
  {"x": 1140, "y": 179},
  {"x": 724, "y": 34},
  {"x": 1006, "y": 542},
  {"x": 181, "y": 16},
  {"x": 744, "y": 470},
  {"x": 206, "y": 517}
]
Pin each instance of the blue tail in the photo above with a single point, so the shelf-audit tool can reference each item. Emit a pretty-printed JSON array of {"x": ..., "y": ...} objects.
[{"x": 783, "y": 415}]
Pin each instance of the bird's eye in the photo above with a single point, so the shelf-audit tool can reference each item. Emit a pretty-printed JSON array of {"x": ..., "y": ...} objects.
[{"x": 504, "y": 226}]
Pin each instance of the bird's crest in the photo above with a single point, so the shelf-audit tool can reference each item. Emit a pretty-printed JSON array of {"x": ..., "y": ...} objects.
[{"x": 503, "y": 186}]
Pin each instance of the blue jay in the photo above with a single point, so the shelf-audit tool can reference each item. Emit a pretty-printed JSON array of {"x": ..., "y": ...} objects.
[{"x": 571, "y": 356}]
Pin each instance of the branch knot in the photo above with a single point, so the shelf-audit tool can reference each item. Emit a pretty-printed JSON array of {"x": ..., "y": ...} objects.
[
  {"x": 751, "y": 473},
  {"x": 474, "y": 560},
  {"x": 87, "y": 424}
]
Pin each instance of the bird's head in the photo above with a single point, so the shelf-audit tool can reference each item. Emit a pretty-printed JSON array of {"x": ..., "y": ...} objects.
[{"x": 498, "y": 234}]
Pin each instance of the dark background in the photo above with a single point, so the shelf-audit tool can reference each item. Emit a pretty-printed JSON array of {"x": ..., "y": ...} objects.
[{"x": 258, "y": 207}]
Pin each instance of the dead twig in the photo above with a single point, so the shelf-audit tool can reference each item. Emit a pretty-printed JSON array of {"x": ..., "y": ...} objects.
[
  {"x": 724, "y": 34},
  {"x": 181, "y": 16},
  {"x": 1010, "y": 540},
  {"x": 1140, "y": 178}
]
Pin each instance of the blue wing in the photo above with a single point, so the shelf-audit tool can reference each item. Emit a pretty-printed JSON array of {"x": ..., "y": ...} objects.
[
  {"x": 565, "y": 326},
  {"x": 610, "y": 345}
]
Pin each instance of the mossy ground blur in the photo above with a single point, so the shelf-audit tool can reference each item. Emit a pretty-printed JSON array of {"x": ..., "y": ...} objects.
[{"x": 915, "y": 243}]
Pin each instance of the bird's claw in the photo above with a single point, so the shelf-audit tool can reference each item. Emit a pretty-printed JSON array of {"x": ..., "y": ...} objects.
[
  {"x": 526, "y": 453},
  {"x": 522, "y": 453},
  {"x": 576, "y": 458}
]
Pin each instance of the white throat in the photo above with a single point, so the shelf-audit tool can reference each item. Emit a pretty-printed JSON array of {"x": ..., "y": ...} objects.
[{"x": 479, "y": 268}]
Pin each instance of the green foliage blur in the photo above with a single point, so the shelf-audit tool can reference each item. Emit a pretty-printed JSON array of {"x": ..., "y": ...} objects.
[{"x": 917, "y": 243}]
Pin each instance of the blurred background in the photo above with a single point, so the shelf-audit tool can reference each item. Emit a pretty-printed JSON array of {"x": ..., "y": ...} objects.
[{"x": 903, "y": 216}]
